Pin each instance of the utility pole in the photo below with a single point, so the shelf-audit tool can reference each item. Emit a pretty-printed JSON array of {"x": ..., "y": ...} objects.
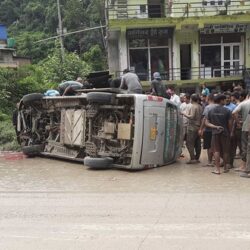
[{"x": 60, "y": 29}]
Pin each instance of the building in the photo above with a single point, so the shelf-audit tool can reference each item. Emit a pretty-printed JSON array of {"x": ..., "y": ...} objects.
[
  {"x": 8, "y": 58},
  {"x": 188, "y": 43}
]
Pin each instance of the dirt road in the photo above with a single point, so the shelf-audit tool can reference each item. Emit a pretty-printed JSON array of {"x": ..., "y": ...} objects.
[{"x": 51, "y": 204}]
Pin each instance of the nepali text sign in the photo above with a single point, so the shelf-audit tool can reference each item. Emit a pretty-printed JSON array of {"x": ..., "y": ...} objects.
[
  {"x": 149, "y": 33},
  {"x": 223, "y": 28}
]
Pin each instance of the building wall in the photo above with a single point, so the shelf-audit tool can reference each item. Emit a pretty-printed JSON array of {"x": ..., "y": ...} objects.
[
  {"x": 180, "y": 8},
  {"x": 123, "y": 51},
  {"x": 186, "y": 31},
  {"x": 113, "y": 55},
  {"x": 247, "y": 48},
  {"x": 6, "y": 56}
]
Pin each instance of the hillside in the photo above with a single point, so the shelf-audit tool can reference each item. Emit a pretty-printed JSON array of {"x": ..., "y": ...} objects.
[{"x": 31, "y": 20}]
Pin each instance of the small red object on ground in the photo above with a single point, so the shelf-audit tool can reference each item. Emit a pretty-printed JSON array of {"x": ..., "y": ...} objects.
[{"x": 11, "y": 156}]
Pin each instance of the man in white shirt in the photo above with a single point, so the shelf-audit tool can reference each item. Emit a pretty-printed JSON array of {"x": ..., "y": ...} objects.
[
  {"x": 243, "y": 108},
  {"x": 246, "y": 174},
  {"x": 175, "y": 98}
]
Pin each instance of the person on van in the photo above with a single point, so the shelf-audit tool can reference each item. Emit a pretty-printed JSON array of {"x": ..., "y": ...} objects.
[
  {"x": 131, "y": 82},
  {"x": 69, "y": 88},
  {"x": 157, "y": 87}
]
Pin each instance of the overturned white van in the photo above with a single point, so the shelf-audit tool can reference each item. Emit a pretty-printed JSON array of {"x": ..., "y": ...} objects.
[{"x": 102, "y": 128}]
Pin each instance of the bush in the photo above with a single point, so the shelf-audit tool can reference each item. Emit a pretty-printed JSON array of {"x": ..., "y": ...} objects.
[{"x": 8, "y": 136}]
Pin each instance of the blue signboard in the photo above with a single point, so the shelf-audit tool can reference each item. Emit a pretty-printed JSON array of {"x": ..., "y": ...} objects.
[{"x": 3, "y": 32}]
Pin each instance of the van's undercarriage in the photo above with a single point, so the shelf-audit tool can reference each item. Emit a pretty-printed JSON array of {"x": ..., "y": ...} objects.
[{"x": 98, "y": 125}]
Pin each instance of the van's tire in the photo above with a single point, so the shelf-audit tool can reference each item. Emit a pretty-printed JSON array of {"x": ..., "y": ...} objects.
[
  {"x": 98, "y": 163},
  {"x": 28, "y": 99},
  {"x": 33, "y": 150},
  {"x": 100, "y": 98}
]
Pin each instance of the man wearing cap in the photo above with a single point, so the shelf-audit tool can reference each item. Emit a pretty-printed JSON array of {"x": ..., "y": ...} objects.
[
  {"x": 131, "y": 82},
  {"x": 157, "y": 87}
]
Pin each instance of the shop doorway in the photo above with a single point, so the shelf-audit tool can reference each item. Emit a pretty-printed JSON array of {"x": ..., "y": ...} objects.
[
  {"x": 155, "y": 9},
  {"x": 231, "y": 59},
  {"x": 185, "y": 59}
]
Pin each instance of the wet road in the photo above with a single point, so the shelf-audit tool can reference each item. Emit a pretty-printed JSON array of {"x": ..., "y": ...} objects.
[{"x": 51, "y": 204}]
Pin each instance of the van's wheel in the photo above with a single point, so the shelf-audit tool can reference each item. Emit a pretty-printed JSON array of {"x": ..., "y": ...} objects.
[
  {"x": 100, "y": 98},
  {"x": 98, "y": 163},
  {"x": 33, "y": 150},
  {"x": 28, "y": 99}
]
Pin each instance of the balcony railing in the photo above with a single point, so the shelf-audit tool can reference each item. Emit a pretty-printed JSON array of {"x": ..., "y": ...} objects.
[
  {"x": 183, "y": 9},
  {"x": 195, "y": 73}
]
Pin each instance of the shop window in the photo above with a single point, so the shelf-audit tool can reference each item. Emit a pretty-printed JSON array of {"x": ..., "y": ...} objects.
[
  {"x": 138, "y": 43},
  {"x": 159, "y": 60},
  {"x": 155, "y": 9},
  {"x": 211, "y": 61},
  {"x": 139, "y": 63},
  {"x": 232, "y": 38},
  {"x": 143, "y": 9},
  {"x": 155, "y": 42},
  {"x": 216, "y": 3},
  {"x": 210, "y": 39}
]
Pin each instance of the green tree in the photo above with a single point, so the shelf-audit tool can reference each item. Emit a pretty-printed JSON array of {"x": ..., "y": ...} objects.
[
  {"x": 56, "y": 71},
  {"x": 95, "y": 58}
]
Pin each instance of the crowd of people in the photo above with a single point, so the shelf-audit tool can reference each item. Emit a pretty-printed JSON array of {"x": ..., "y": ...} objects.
[{"x": 222, "y": 120}]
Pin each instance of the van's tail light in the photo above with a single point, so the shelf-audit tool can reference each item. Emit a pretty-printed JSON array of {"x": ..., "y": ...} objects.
[{"x": 155, "y": 98}]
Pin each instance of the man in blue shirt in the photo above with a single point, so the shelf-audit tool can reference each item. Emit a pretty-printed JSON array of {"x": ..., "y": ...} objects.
[{"x": 229, "y": 105}]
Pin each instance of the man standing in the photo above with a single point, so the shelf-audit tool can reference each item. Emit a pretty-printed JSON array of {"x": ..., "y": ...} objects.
[
  {"x": 194, "y": 121},
  {"x": 206, "y": 132},
  {"x": 175, "y": 98},
  {"x": 184, "y": 108},
  {"x": 243, "y": 108},
  {"x": 247, "y": 172},
  {"x": 219, "y": 119},
  {"x": 131, "y": 82},
  {"x": 233, "y": 139}
]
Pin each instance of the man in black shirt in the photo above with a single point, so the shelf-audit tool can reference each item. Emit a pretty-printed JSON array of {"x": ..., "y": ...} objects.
[{"x": 220, "y": 120}]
